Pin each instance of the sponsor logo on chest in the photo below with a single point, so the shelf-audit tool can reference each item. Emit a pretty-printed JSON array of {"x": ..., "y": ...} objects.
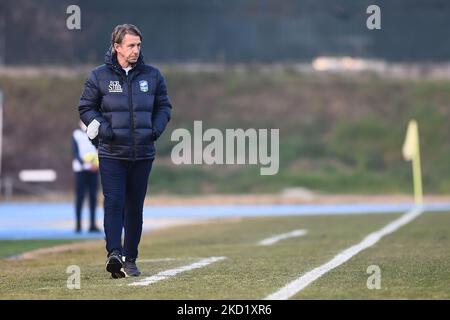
[{"x": 114, "y": 86}]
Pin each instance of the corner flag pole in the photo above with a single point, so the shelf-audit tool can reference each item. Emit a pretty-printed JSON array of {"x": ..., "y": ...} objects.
[{"x": 411, "y": 152}]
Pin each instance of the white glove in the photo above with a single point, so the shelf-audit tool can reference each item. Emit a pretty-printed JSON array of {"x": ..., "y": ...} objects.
[{"x": 92, "y": 129}]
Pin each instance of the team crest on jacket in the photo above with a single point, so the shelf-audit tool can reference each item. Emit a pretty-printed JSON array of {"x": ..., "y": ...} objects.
[
  {"x": 114, "y": 86},
  {"x": 143, "y": 85}
]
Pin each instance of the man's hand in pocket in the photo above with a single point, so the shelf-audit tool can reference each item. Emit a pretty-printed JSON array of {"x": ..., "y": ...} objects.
[{"x": 106, "y": 132}]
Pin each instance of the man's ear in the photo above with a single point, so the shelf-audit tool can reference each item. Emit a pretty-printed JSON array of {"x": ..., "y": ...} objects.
[{"x": 116, "y": 45}]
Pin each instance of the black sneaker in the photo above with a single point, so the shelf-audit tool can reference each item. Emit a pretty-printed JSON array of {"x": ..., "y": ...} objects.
[
  {"x": 130, "y": 268},
  {"x": 114, "y": 265}
]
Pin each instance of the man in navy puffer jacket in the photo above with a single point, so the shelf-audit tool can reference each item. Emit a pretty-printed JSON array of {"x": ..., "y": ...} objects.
[{"x": 125, "y": 106}]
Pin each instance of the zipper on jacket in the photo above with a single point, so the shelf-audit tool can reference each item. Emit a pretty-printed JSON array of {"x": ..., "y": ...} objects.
[{"x": 130, "y": 105}]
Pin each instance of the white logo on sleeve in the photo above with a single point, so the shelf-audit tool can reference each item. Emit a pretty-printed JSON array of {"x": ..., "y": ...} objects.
[{"x": 114, "y": 86}]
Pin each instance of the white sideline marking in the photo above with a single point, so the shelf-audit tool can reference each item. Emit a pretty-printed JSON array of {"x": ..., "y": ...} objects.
[
  {"x": 168, "y": 259},
  {"x": 161, "y": 260},
  {"x": 172, "y": 272},
  {"x": 300, "y": 283},
  {"x": 275, "y": 239}
]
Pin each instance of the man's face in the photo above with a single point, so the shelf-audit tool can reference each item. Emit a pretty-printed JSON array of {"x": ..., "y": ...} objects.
[{"x": 129, "y": 49}]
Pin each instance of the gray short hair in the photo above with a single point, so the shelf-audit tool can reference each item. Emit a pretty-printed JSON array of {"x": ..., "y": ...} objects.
[{"x": 121, "y": 30}]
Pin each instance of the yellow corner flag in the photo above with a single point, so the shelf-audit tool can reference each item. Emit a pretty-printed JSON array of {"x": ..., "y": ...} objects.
[{"x": 411, "y": 152}]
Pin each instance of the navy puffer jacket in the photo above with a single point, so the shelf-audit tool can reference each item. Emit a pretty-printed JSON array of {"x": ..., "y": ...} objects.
[{"x": 133, "y": 110}]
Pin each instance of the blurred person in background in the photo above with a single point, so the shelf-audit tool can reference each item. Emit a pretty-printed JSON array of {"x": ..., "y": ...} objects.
[
  {"x": 125, "y": 105},
  {"x": 85, "y": 167}
]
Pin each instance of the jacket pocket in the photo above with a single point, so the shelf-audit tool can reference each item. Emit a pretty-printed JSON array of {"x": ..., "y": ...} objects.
[{"x": 106, "y": 132}]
